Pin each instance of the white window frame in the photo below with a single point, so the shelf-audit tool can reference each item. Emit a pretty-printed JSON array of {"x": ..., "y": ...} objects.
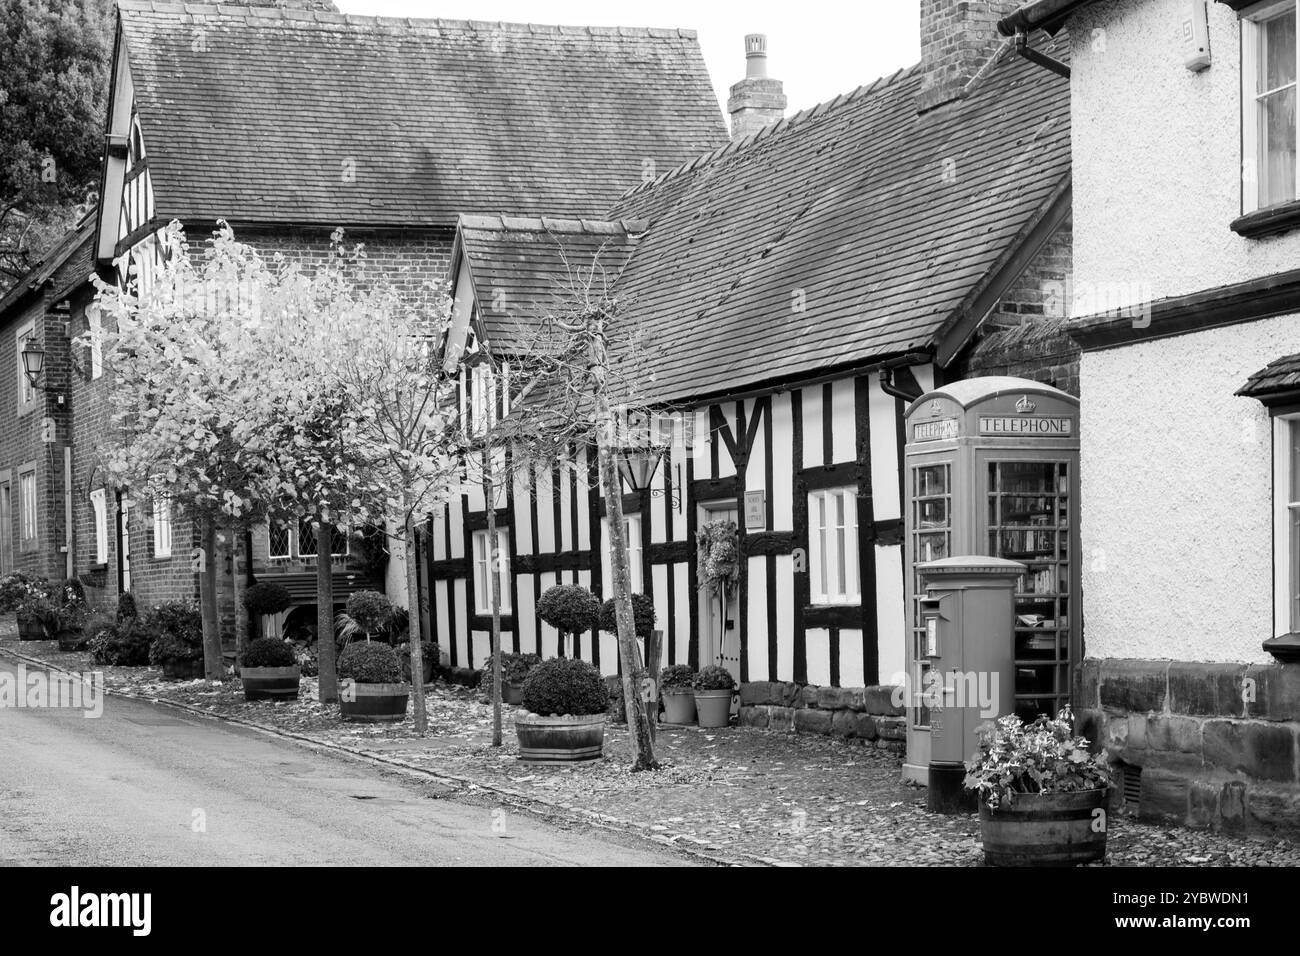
[
  {"x": 162, "y": 527},
  {"x": 26, "y": 391},
  {"x": 1286, "y": 524},
  {"x": 481, "y": 558},
  {"x": 294, "y": 545},
  {"x": 28, "y": 510},
  {"x": 1250, "y": 138},
  {"x": 631, "y": 528},
  {"x": 99, "y": 507},
  {"x": 833, "y": 547},
  {"x": 95, "y": 325}
]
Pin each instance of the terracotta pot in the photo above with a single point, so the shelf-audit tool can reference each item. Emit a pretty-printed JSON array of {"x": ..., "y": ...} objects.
[
  {"x": 559, "y": 739},
  {"x": 713, "y": 707},
  {"x": 512, "y": 694},
  {"x": 183, "y": 670},
  {"x": 1044, "y": 829},
  {"x": 679, "y": 705},
  {"x": 30, "y": 629},
  {"x": 271, "y": 683},
  {"x": 429, "y": 667},
  {"x": 374, "y": 703}
]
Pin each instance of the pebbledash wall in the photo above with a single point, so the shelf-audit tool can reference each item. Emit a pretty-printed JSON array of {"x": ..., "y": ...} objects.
[{"x": 1176, "y": 470}]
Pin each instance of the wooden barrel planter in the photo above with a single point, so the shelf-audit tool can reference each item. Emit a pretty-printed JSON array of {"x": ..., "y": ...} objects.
[
  {"x": 713, "y": 707},
  {"x": 30, "y": 629},
  {"x": 271, "y": 683},
  {"x": 1044, "y": 829},
  {"x": 374, "y": 703},
  {"x": 559, "y": 739},
  {"x": 679, "y": 706},
  {"x": 183, "y": 670}
]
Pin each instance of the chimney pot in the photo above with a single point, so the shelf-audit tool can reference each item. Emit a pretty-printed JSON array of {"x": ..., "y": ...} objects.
[{"x": 757, "y": 100}]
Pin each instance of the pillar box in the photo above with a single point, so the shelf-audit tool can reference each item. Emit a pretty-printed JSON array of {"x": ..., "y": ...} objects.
[{"x": 968, "y": 618}]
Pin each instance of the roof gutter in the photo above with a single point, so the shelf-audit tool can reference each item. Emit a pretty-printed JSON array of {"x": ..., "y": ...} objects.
[
  {"x": 1042, "y": 59},
  {"x": 1048, "y": 15}
]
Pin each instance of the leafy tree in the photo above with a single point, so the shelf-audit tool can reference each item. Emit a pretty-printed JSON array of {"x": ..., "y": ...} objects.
[{"x": 53, "y": 92}]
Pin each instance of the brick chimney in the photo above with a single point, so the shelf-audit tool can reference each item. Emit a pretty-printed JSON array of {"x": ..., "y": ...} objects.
[
  {"x": 757, "y": 100},
  {"x": 958, "y": 38}
]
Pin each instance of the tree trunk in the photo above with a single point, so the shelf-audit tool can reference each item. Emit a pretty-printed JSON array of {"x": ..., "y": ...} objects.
[
  {"x": 241, "y": 616},
  {"x": 214, "y": 667},
  {"x": 413, "y": 634},
  {"x": 634, "y": 674},
  {"x": 494, "y": 589},
  {"x": 325, "y": 651}
]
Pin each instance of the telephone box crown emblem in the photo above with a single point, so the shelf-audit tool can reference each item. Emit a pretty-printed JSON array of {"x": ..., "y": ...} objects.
[{"x": 1024, "y": 406}]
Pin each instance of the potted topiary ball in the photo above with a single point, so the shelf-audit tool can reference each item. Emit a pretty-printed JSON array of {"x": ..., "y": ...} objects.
[
  {"x": 373, "y": 691},
  {"x": 714, "y": 687},
  {"x": 570, "y": 609},
  {"x": 563, "y": 719},
  {"x": 677, "y": 688},
  {"x": 643, "y": 616},
  {"x": 264, "y": 599},
  {"x": 270, "y": 670}
]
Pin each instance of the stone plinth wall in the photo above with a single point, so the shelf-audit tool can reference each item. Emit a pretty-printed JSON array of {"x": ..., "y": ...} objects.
[
  {"x": 1218, "y": 744},
  {"x": 865, "y": 714}
]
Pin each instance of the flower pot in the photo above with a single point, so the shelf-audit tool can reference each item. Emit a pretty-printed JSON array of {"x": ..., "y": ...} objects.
[
  {"x": 559, "y": 739},
  {"x": 1044, "y": 829},
  {"x": 71, "y": 639},
  {"x": 270, "y": 683},
  {"x": 713, "y": 707},
  {"x": 679, "y": 705},
  {"x": 374, "y": 703},
  {"x": 429, "y": 667},
  {"x": 183, "y": 670},
  {"x": 30, "y": 629},
  {"x": 512, "y": 694}
]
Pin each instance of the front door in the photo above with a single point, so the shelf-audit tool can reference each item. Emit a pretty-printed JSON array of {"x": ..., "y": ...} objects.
[
  {"x": 123, "y": 544},
  {"x": 6, "y": 528},
  {"x": 719, "y": 618}
]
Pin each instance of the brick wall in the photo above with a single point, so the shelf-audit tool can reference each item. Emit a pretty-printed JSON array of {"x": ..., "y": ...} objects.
[{"x": 1025, "y": 336}]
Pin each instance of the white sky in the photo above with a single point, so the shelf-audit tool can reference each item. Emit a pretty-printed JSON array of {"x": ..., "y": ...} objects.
[{"x": 819, "y": 49}]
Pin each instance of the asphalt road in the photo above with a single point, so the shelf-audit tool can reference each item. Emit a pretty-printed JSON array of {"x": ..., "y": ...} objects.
[{"x": 146, "y": 785}]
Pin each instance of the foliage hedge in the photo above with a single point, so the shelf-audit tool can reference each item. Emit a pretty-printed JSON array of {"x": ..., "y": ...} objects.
[
  {"x": 269, "y": 652},
  {"x": 515, "y": 669},
  {"x": 563, "y": 686},
  {"x": 267, "y": 597},
  {"x": 176, "y": 629},
  {"x": 369, "y": 662},
  {"x": 569, "y": 608},
  {"x": 126, "y": 609},
  {"x": 643, "y": 616},
  {"x": 120, "y": 644}
]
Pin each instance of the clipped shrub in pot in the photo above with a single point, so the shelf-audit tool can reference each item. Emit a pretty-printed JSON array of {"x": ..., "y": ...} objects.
[
  {"x": 373, "y": 691},
  {"x": 565, "y": 702},
  {"x": 269, "y": 670},
  {"x": 265, "y": 598},
  {"x": 119, "y": 643},
  {"x": 570, "y": 609},
  {"x": 643, "y": 616},
  {"x": 176, "y": 628},
  {"x": 31, "y": 597},
  {"x": 429, "y": 657},
  {"x": 368, "y": 613},
  {"x": 515, "y": 669},
  {"x": 714, "y": 688},
  {"x": 1041, "y": 793},
  {"x": 677, "y": 689}
]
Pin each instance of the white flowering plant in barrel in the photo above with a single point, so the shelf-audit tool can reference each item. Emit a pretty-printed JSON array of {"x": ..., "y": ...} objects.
[{"x": 1045, "y": 756}]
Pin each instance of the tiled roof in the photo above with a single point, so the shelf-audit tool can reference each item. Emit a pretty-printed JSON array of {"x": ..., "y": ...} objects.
[
  {"x": 72, "y": 254},
  {"x": 263, "y": 115},
  {"x": 1277, "y": 377},
  {"x": 520, "y": 266},
  {"x": 852, "y": 232}
]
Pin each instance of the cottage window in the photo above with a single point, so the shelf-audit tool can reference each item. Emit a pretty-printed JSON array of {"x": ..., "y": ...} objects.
[
  {"x": 833, "y": 546},
  {"x": 1286, "y": 537},
  {"x": 99, "y": 505},
  {"x": 27, "y": 516},
  {"x": 486, "y": 559},
  {"x": 162, "y": 527},
  {"x": 1268, "y": 70},
  {"x": 632, "y": 531},
  {"x": 277, "y": 540}
]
